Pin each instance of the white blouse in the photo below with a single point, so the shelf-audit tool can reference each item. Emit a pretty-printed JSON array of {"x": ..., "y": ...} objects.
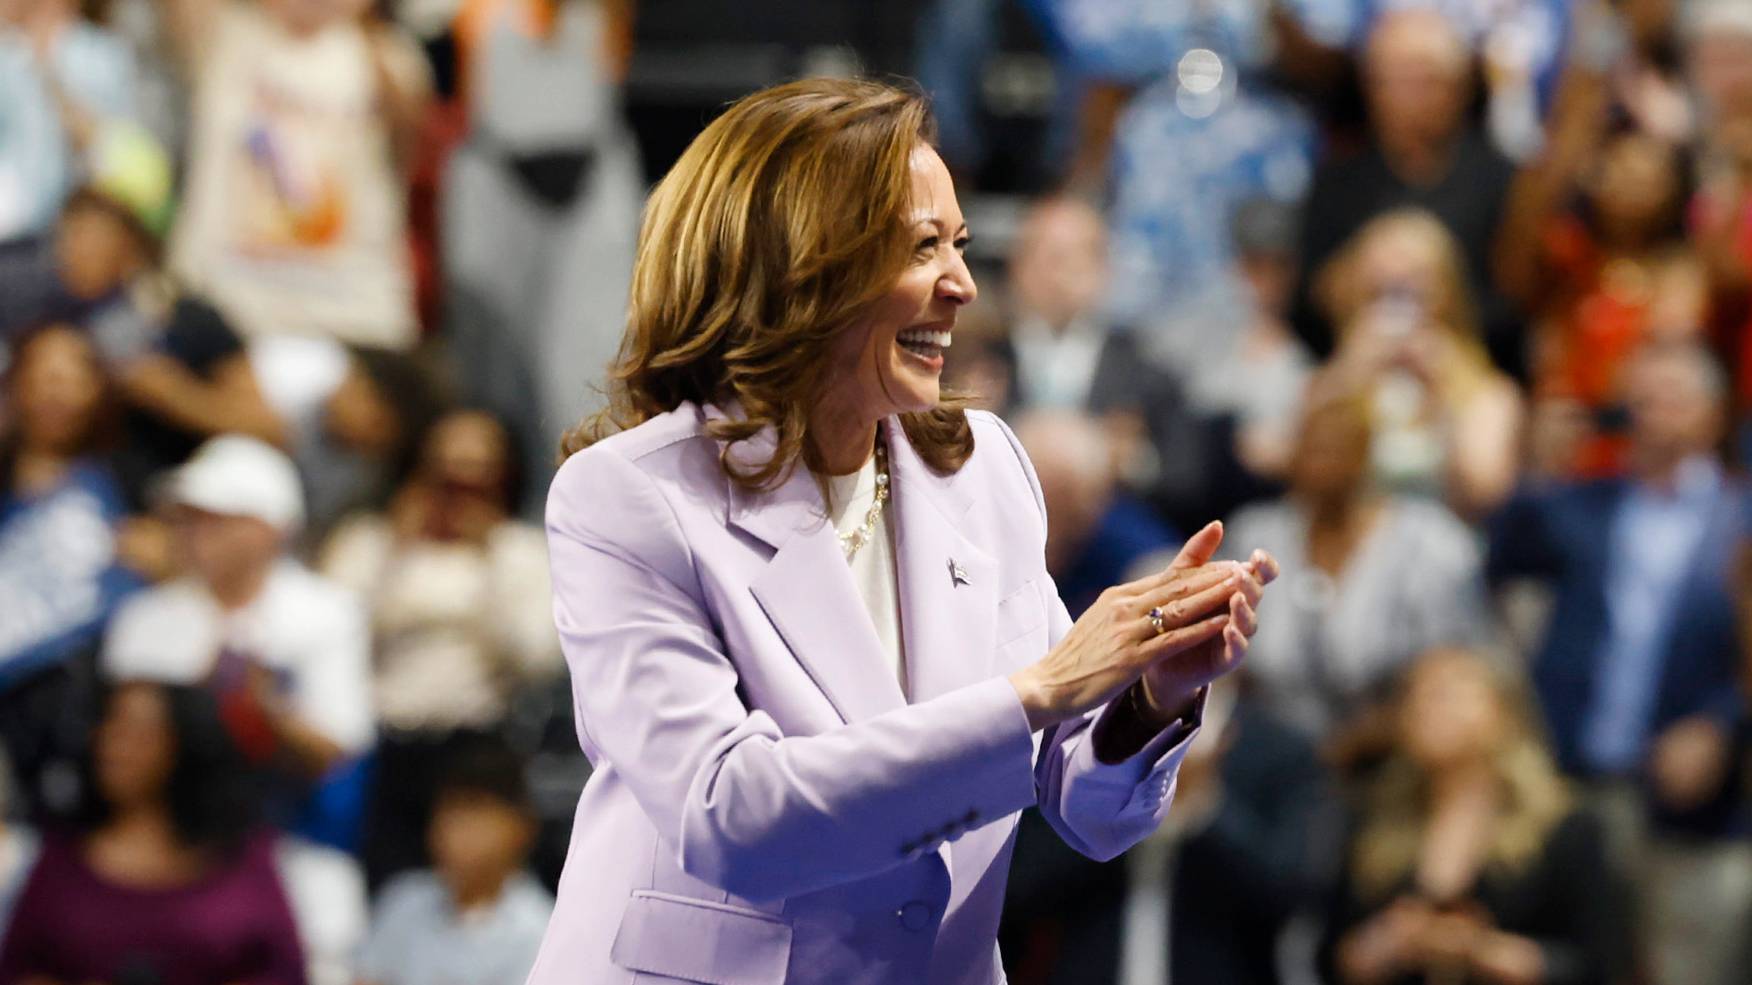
[{"x": 873, "y": 570}]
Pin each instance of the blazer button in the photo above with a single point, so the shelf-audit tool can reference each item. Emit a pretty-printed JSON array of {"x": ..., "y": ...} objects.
[{"x": 915, "y": 916}]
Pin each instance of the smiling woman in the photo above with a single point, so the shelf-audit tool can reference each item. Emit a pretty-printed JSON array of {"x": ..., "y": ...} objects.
[
  {"x": 803, "y": 596},
  {"x": 745, "y": 282}
]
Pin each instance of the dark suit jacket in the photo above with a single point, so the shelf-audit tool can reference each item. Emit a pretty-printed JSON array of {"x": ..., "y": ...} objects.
[
  {"x": 1563, "y": 535},
  {"x": 1198, "y": 475}
]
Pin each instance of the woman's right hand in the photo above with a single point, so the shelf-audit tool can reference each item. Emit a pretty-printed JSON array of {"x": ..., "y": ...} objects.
[{"x": 1112, "y": 643}]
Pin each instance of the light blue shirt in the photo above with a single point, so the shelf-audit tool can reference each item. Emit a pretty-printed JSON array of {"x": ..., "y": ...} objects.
[
  {"x": 1656, "y": 535},
  {"x": 1186, "y": 156},
  {"x": 419, "y": 938},
  {"x": 38, "y": 168}
]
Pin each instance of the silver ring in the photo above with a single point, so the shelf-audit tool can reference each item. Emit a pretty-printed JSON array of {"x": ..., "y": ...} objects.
[{"x": 1157, "y": 622}]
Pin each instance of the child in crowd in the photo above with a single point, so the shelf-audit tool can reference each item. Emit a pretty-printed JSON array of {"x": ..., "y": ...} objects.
[{"x": 476, "y": 917}]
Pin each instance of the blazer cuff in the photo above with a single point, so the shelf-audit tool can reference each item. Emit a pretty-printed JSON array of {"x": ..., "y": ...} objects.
[{"x": 1158, "y": 757}]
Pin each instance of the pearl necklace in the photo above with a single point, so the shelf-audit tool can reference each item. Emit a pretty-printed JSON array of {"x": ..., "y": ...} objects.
[{"x": 854, "y": 539}]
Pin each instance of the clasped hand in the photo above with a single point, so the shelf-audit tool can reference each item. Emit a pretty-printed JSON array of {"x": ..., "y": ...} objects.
[{"x": 1207, "y": 617}]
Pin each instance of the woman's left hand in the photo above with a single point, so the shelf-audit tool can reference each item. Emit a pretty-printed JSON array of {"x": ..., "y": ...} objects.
[{"x": 1171, "y": 683}]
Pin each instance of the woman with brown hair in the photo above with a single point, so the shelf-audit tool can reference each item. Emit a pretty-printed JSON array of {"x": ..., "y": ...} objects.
[
  {"x": 1446, "y": 421},
  {"x": 802, "y": 590},
  {"x": 1470, "y": 863}
]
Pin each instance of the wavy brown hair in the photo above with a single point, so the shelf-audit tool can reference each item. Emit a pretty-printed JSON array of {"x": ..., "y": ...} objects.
[{"x": 780, "y": 226}]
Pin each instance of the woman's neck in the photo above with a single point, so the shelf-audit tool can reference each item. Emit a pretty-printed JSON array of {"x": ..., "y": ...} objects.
[
  {"x": 842, "y": 440},
  {"x": 139, "y": 846},
  {"x": 1336, "y": 525}
]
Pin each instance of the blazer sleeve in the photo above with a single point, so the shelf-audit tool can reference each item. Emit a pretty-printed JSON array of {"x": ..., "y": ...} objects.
[
  {"x": 758, "y": 813},
  {"x": 1100, "y": 809}
]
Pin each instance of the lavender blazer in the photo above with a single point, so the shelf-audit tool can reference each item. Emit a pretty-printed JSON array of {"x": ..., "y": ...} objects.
[{"x": 766, "y": 805}]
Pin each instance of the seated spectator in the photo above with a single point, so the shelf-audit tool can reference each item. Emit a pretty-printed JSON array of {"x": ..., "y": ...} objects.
[
  {"x": 1370, "y": 579},
  {"x": 165, "y": 879},
  {"x": 286, "y": 652},
  {"x": 1098, "y": 530},
  {"x": 1637, "y": 671},
  {"x": 1204, "y": 900},
  {"x": 1446, "y": 422},
  {"x": 476, "y": 917},
  {"x": 1064, "y": 353},
  {"x": 301, "y": 119},
  {"x": 61, "y": 79},
  {"x": 64, "y": 556},
  {"x": 180, "y": 370},
  {"x": 1469, "y": 862},
  {"x": 461, "y": 612},
  {"x": 1423, "y": 152}
]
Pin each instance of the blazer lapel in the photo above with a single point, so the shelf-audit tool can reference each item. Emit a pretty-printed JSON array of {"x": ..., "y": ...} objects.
[
  {"x": 948, "y": 586},
  {"x": 806, "y": 588}
]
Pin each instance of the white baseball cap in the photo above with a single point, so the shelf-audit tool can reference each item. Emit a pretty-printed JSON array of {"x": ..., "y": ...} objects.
[{"x": 236, "y": 475}]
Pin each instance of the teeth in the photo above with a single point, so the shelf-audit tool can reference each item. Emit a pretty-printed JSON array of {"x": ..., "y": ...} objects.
[{"x": 926, "y": 336}]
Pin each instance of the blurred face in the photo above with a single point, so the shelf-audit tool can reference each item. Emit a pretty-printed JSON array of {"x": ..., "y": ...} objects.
[
  {"x": 223, "y": 550},
  {"x": 95, "y": 252},
  {"x": 134, "y": 749},
  {"x": 1637, "y": 183},
  {"x": 1416, "y": 78},
  {"x": 1332, "y": 455},
  {"x": 1059, "y": 269},
  {"x": 1397, "y": 260},
  {"x": 1673, "y": 415},
  {"x": 892, "y": 361},
  {"x": 468, "y": 449},
  {"x": 57, "y": 388},
  {"x": 477, "y": 841},
  {"x": 1451, "y": 714}
]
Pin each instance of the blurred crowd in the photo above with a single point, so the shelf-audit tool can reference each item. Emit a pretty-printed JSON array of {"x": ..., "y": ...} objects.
[{"x": 1447, "y": 303}]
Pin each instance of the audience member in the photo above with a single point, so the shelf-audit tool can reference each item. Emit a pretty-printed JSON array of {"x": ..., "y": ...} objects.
[
  {"x": 1371, "y": 579},
  {"x": 1189, "y": 112},
  {"x": 287, "y": 653},
  {"x": 294, "y": 219},
  {"x": 1063, "y": 352},
  {"x": 461, "y": 613},
  {"x": 1469, "y": 861},
  {"x": 1098, "y": 530},
  {"x": 1423, "y": 152},
  {"x": 540, "y": 210},
  {"x": 477, "y": 917},
  {"x": 179, "y": 369},
  {"x": 64, "y": 563},
  {"x": 62, "y": 78},
  {"x": 1254, "y": 372},
  {"x": 1207, "y": 898},
  {"x": 1637, "y": 673},
  {"x": 1447, "y": 423},
  {"x": 1593, "y": 249},
  {"x": 166, "y": 879}
]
